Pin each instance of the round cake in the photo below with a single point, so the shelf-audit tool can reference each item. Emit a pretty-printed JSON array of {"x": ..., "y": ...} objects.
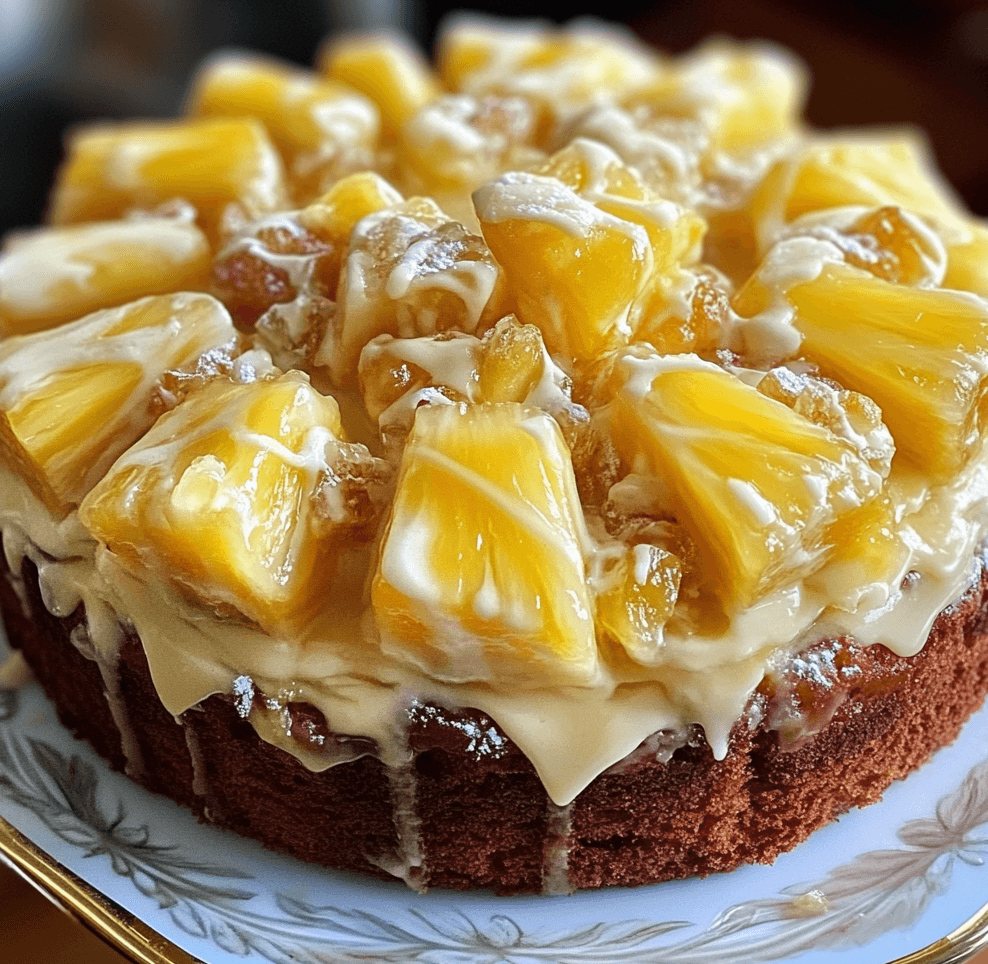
[{"x": 555, "y": 469}]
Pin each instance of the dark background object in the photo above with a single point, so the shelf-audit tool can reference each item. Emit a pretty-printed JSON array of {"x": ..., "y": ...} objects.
[{"x": 916, "y": 62}]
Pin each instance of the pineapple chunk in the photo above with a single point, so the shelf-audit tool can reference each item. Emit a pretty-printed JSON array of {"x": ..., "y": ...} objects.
[
  {"x": 388, "y": 70},
  {"x": 224, "y": 497},
  {"x": 967, "y": 262},
  {"x": 482, "y": 574},
  {"x": 410, "y": 271},
  {"x": 72, "y": 399},
  {"x": 597, "y": 173},
  {"x": 55, "y": 275},
  {"x": 744, "y": 96},
  {"x": 836, "y": 172},
  {"x": 456, "y": 143},
  {"x": 320, "y": 127},
  {"x": 580, "y": 241},
  {"x": 564, "y": 69},
  {"x": 921, "y": 354},
  {"x": 514, "y": 362},
  {"x": 333, "y": 217},
  {"x": 227, "y": 169},
  {"x": 573, "y": 269},
  {"x": 639, "y": 600},
  {"x": 869, "y": 560},
  {"x": 755, "y": 484}
]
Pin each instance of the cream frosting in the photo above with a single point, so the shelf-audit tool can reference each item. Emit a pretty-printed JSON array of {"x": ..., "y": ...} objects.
[{"x": 340, "y": 669}]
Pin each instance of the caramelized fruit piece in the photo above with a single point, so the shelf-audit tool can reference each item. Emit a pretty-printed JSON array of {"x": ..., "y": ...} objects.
[
  {"x": 410, "y": 271},
  {"x": 320, "y": 127},
  {"x": 393, "y": 369},
  {"x": 287, "y": 255},
  {"x": 227, "y": 169},
  {"x": 481, "y": 575},
  {"x": 904, "y": 250},
  {"x": 639, "y": 600},
  {"x": 510, "y": 364},
  {"x": 72, "y": 399},
  {"x": 227, "y": 497},
  {"x": 514, "y": 361},
  {"x": 693, "y": 315},
  {"x": 756, "y": 485},
  {"x": 850, "y": 415},
  {"x": 267, "y": 266},
  {"x": 55, "y": 275},
  {"x": 388, "y": 70},
  {"x": 921, "y": 354}
]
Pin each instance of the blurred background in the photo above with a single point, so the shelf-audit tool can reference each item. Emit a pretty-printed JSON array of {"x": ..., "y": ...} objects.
[{"x": 64, "y": 62}]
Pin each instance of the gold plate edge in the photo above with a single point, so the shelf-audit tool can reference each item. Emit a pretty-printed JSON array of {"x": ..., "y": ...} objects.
[{"x": 115, "y": 925}]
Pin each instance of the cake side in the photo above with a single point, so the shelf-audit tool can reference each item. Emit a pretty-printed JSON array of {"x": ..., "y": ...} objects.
[{"x": 467, "y": 814}]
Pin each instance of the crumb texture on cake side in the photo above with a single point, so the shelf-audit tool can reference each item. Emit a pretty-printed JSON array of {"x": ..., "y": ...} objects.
[{"x": 552, "y": 468}]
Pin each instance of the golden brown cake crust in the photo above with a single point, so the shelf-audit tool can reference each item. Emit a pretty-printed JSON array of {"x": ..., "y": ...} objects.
[{"x": 482, "y": 815}]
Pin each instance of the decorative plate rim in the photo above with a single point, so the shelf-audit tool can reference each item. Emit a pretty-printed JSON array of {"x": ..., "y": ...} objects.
[{"x": 886, "y": 889}]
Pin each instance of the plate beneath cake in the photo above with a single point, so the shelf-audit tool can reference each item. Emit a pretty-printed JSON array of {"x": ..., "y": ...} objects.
[{"x": 906, "y": 878}]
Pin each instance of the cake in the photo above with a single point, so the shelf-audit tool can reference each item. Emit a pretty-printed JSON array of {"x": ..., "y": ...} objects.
[{"x": 556, "y": 469}]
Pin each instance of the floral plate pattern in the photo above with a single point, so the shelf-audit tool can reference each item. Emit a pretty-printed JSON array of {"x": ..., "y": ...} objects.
[{"x": 894, "y": 878}]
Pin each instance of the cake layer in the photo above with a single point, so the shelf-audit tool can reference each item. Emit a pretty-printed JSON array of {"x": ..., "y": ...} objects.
[{"x": 469, "y": 810}]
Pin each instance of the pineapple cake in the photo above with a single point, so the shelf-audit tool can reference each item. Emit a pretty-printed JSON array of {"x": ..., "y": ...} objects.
[{"x": 550, "y": 468}]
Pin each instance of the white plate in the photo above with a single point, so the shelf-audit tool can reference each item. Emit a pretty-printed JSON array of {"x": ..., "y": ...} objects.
[{"x": 893, "y": 878}]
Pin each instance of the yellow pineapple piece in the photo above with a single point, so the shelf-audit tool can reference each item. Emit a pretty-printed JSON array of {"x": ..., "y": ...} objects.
[
  {"x": 871, "y": 171},
  {"x": 226, "y": 168},
  {"x": 225, "y": 497},
  {"x": 54, "y": 275},
  {"x": 599, "y": 175},
  {"x": 320, "y": 127},
  {"x": 456, "y": 143},
  {"x": 921, "y": 354},
  {"x": 72, "y": 399},
  {"x": 967, "y": 262},
  {"x": 755, "y": 484},
  {"x": 639, "y": 600},
  {"x": 482, "y": 574},
  {"x": 410, "y": 271},
  {"x": 573, "y": 269},
  {"x": 514, "y": 362},
  {"x": 869, "y": 559},
  {"x": 333, "y": 216},
  {"x": 385, "y": 68},
  {"x": 579, "y": 243},
  {"x": 563, "y": 69},
  {"x": 744, "y": 95}
]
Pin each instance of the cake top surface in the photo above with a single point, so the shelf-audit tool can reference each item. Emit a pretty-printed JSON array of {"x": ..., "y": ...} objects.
[{"x": 562, "y": 380}]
